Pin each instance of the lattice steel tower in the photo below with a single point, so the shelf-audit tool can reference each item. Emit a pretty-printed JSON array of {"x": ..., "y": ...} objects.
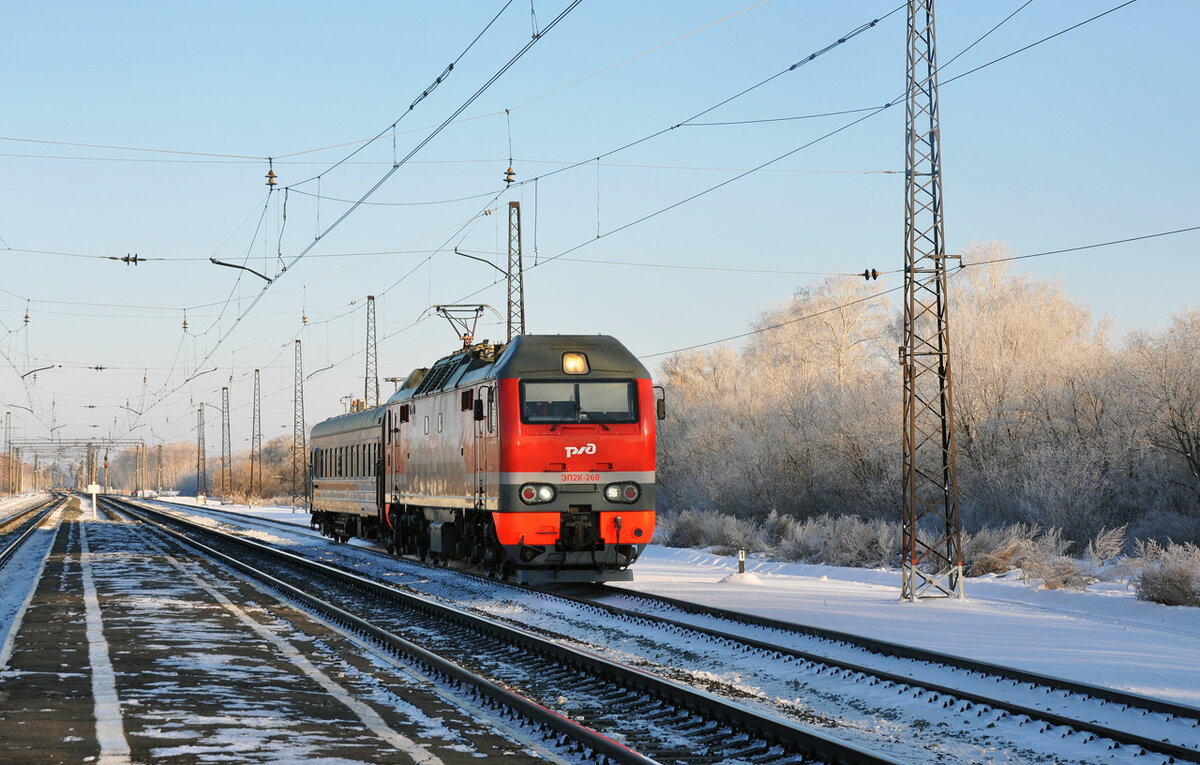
[
  {"x": 226, "y": 451},
  {"x": 372, "y": 379},
  {"x": 516, "y": 273},
  {"x": 932, "y": 532},
  {"x": 201, "y": 467},
  {"x": 299, "y": 441},
  {"x": 256, "y": 443},
  {"x": 7, "y": 453}
]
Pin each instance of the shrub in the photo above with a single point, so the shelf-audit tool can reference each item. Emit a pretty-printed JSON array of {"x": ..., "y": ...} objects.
[
  {"x": 995, "y": 551},
  {"x": 694, "y": 528},
  {"x": 1169, "y": 575}
]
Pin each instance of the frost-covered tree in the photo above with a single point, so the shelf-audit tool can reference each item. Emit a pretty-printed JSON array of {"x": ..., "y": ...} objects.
[{"x": 792, "y": 422}]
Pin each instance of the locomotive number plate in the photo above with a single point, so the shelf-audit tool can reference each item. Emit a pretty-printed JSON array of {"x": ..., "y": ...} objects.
[{"x": 580, "y": 477}]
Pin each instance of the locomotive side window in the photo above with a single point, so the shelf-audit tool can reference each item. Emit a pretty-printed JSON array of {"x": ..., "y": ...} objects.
[{"x": 601, "y": 401}]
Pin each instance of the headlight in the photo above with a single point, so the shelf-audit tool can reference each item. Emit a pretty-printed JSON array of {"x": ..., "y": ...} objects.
[
  {"x": 537, "y": 493},
  {"x": 622, "y": 492}
]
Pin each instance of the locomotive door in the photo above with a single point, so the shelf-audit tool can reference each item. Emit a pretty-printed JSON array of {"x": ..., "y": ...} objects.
[{"x": 483, "y": 409}]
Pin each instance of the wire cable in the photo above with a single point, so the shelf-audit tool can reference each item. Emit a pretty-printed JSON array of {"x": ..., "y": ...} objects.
[
  {"x": 962, "y": 266},
  {"x": 424, "y": 94},
  {"x": 465, "y": 105}
]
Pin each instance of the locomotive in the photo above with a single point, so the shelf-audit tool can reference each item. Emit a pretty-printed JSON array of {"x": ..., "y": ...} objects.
[{"x": 533, "y": 459}]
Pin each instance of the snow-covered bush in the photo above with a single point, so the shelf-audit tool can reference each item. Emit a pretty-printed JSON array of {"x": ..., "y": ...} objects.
[
  {"x": 1040, "y": 555},
  {"x": 996, "y": 550},
  {"x": 833, "y": 540},
  {"x": 696, "y": 528},
  {"x": 1167, "y": 574},
  {"x": 842, "y": 541}
]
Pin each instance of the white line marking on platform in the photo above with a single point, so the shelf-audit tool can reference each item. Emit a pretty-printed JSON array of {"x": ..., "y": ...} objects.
[
  {"x": 114, "y": 749},
  {"x": 365, "y": 713}
]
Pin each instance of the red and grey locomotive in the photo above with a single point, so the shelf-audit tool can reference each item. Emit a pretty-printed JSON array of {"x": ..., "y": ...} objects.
[{"x": 535, "y": 458}]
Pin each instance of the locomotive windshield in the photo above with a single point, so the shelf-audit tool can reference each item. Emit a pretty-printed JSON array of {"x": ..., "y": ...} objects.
[{"x": 599, "y": 401}]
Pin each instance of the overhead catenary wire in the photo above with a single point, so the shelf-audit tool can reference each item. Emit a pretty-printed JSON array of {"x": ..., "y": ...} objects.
[
  {"x": 858, "y": 30},
  {"x": 1021, "y": 256},
  {"x": 425, "y": 94},
  {"x": 962, "y": 266},
  {"x": 254, "y": 158},
  {"x": 870, "y": 113},
  {"x": 465, "y": 105}
]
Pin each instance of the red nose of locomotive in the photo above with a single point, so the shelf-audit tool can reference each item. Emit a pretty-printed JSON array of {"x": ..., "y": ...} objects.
[{"x": 577, "y": 488}]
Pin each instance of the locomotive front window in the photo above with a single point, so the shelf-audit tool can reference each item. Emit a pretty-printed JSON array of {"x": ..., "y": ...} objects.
[{"x": 600, "y": 401}]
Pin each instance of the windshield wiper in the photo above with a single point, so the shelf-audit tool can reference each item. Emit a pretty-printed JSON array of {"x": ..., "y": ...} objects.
[{"x": 574, "y": 408}]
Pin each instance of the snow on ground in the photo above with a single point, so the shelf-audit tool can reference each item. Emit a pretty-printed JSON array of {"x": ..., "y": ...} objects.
[{"x": 1102, "y": 636}]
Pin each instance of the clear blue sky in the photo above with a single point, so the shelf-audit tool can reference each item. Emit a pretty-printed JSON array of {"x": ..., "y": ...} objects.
[{"x": 1086, "y": 138}]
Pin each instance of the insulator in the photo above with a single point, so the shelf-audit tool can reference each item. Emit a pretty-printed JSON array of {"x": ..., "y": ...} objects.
[
  {"x": 185, "y": 324},
  {"x": 870, "y": 274},
  {"x": 510, "y": 175}
]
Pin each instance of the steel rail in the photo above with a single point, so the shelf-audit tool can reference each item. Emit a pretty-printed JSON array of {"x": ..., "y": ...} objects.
[
  {"x": 45, "y": 508},
  {"x": 886, "y": 648},
  {"x": 795, "y": 738},
  {"x": 431, "y": 663}
]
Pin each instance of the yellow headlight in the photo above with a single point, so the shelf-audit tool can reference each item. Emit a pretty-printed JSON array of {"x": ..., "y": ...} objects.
[{"x": 575, "y": 363}]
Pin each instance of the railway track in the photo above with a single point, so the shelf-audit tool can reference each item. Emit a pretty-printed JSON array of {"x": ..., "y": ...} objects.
[
  {"x": 985, "y": 701},
  {"x": 16, "y": 529},
  {"x": 131, "y": 648},
  {"x": 1126, "y": 718},
  {"x": 654, "y": 719}
]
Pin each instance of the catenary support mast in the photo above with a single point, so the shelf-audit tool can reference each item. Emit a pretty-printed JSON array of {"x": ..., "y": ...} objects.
[
  {"x": 371, "y": 384},
  {"x": 226, "y": 449},
  {"x": 256, "y": 444},
  {"x": 201, "y": 467},
  {"x": 932, "y": 533},
  {"x": 516, "y": 273},
  {"x": 299, "y": 439}
]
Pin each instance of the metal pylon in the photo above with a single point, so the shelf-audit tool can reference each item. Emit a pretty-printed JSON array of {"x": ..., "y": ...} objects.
[
  {"x": 371, "y": 383},
  {"x": 256, "y": 443},
  {"x": 516, "y": 273},
  {"x": 226, "y": 451},
  {"x": 8, "y": 453},
  {"x": 201, "y": 467},
  {"x": 932, "y": 531},
  {"x": 299, "y": 440}
]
